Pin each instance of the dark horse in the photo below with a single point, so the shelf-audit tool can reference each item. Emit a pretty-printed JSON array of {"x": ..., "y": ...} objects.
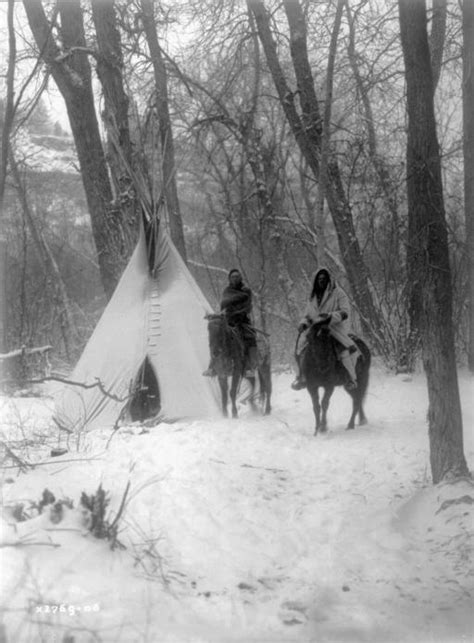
[
  {"x": 322, "y": 368},
  {"x": 228, "y": 358}
]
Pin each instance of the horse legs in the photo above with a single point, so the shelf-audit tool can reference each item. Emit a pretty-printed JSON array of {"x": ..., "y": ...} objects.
[
  {"x": 314, "y": 392},
  {"x": 328, "y": 391},
  {"x": 362, "y": 417},
  {"x": 363, "y": 380},
  {"x": 265, "y": 379},
  {"x": 268, "y": 393},
  {"x": 233, "y": 392},
  {"x": 251, "y": 398},
  {"x": 356, "y": 408},
  {"x": 224, "y": 394}
]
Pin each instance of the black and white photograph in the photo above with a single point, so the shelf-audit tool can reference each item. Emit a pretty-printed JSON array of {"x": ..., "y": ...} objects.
[{"x": 236, "y": 321}]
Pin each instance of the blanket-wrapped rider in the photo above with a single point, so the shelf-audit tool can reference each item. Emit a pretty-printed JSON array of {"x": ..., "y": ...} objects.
[{"x": 327, "y": 301}]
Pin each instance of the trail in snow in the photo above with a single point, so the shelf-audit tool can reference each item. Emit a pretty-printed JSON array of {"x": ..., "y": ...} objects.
[{"x": 255, "y": 530}]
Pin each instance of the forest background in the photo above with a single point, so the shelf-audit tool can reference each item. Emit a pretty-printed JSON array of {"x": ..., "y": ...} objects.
[{"x": 270, "y": 136}]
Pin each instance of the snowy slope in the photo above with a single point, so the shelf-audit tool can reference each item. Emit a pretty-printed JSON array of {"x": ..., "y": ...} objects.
[
  {"x": 47, "y": 153},
  {"x": 245, "y": 530}
]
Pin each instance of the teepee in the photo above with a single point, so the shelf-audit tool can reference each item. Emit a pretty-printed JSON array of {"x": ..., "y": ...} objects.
[{"x": 146, "y": 356}]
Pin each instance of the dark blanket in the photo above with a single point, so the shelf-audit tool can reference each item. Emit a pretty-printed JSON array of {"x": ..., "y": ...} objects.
[{"x": 237, "y": 303}]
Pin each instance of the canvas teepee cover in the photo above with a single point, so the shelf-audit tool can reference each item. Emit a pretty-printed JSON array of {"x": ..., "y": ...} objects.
[{"x": 155, "y": 316}]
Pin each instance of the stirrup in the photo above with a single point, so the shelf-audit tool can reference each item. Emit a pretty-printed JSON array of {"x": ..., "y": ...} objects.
[
  {"x": 209, "y": 372},
  {"x": 298, "y": 384},
  {"x": 249, "y": 372},
  {"x": 351, "y": 385}
]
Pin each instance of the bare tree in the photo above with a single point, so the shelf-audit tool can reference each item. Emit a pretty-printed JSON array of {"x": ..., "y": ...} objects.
[
  {"x": 437, "y": 37},
  {"x": 168, "y": 169},
  {"x": 6, "y": 132},
  {"x": 121, "y": 159},
  {"x": 405, "y": 338},
  {"x": 468, "y": 150},
  {"x": 307, "y": 129},
  {"x": 71, "y": 71},
  {"x": 429, "y": 266},
  {"x": 325, "y": 137},
  {"x": 64, "y": 306}
]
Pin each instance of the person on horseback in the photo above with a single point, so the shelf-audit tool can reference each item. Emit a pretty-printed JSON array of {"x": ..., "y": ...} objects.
[
  {"x": 328, "y": 303},
  {"x": 236, "y": 304}
]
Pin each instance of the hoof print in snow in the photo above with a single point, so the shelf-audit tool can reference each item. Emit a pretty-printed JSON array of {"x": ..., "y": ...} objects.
[
  {"x": 245, "y": 587},
  {"x": 346, "y": 588},
  {"x": 293, "y": 613},
  {"x": 293, "y": 621}
]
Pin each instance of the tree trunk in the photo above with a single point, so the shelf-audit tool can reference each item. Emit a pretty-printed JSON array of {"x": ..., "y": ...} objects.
[
  {"x": 71, "y": 72},
  {"x": 269, "y": 230},
  {"x": 125, "y": 179},
  {"x": 429, "y": 268},
  {"x": 437, "y": 37},
  {"x": 307, "y": 131},
  {"x": 170, "y": 189},
  {"x": 6, "y": 131},
  {"x": 468, "y": 147},
  {"x": 325, "y": 138}
]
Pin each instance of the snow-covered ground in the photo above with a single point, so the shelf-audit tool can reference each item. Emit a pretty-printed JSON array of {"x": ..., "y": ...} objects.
[{"x": 243, "y": 530}]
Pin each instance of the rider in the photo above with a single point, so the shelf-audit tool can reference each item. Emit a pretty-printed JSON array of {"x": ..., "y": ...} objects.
[
  {"x": 330, "y": 303},
  {"x": 236, "y": 304}
]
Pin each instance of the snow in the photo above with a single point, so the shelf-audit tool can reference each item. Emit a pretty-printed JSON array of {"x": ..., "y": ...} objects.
[
  {"x": 243, "y": 530},
  {"x": 48, "y": 153}
]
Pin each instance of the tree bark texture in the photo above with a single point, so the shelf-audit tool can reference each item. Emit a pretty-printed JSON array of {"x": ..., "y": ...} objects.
[
  {"x": 170, "y": 189},
  {"x": 325, "y": 137},
  {"x": 71, "y": 71},
  {"x": 468, "y": 148},
  {"x": 437, "y": 37},
  {"x": 115, "y": 115},
  {"x": 429, "y": 268},
  {"x": 307, "y": 130},
  {"x": 6, "y": 131}
]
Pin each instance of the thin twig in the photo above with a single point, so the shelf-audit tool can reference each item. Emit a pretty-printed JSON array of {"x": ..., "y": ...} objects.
[
  {"x": 56, "y": 378},
  {"x": 20, "y": 463},
  {"x": 122, "y": 505},
  {"x": 38, "y": 464},
  {"x": 30, "y": 544}
]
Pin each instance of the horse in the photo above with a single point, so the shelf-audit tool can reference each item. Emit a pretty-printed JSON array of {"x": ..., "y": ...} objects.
[
  {"x": 321, "y": 368},
  {"x": 228, "y": 358}
]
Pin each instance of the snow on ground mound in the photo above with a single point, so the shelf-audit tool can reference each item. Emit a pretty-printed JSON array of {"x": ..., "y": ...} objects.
[{"x": 245, "y": 530}]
